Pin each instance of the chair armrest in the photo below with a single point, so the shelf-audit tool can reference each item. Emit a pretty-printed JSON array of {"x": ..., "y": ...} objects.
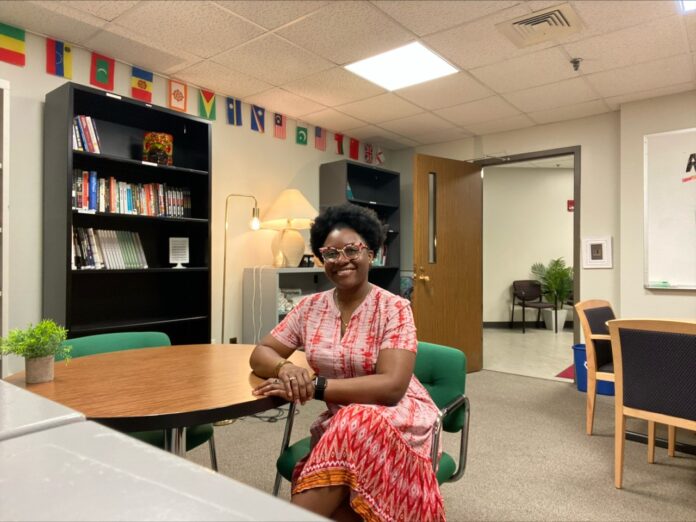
[
  {"x": 600, "y": 337},
  {"x": 457, "y": 402}
]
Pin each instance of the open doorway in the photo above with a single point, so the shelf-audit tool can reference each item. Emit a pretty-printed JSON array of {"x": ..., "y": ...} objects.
[{"x": 529, "y": 217}]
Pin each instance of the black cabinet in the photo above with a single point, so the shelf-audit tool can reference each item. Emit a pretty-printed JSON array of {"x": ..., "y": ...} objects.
[
  {"x": 377, "y": 188},
  {"x": 102, "y": 300}
]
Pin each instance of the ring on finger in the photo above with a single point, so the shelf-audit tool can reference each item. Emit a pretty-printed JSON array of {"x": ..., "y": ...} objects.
[{"x": 292, "y": 379}]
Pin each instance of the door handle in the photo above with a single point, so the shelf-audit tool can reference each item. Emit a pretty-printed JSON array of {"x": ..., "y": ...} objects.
[{"x": 424, "y": 278}]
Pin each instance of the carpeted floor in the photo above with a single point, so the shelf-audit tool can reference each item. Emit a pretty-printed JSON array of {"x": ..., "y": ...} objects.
[{"x": 529, "y": 458}]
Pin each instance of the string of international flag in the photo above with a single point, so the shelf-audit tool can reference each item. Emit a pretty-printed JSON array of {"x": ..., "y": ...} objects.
[{"x": 59, "y": 62}]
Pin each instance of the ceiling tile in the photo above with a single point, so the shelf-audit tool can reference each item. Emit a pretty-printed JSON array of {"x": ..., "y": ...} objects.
[
  {"x": 442, "y": 92},
  {"x": 101, "y": 9},
  {"x": 492, "y": 108},
  {"x": 531, "y": 70},
  {"x": 442, "y": 136},
  {"x": 122, "y": 44},
  {"x": 615, "y": 102},
  {"x": 374, "y": 134},
  {"x": 201, "y": 28},
  {"x": 603, "y": 16},
  {"x": 644, "y": 76},
  {"x": 344, "y": 32},
  {"x": 566, "y": 92},
  {"x": 570, "y": 112},
  {"x": 43, "y": 18},
  {"x": 480, "y": 43},
  {"x": 285, "y": 102},
  {"x": 418, "y": 124},
  {"x": 273, "y": 60},
  {"x": 425, "y": 17},
  {"x": 332, "y": 120},
  {"x": 629, "y": 46},
  {"x": 220, "y": 79},
  {"x": 271, "y": 13},
  {"x": 334, "y": 87},
  {"x": 381, "y": 108},
  {"x": 520, "y": 121}
]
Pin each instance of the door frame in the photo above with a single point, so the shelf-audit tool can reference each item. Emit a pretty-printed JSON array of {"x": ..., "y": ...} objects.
[{"x": 577, "y": 252}]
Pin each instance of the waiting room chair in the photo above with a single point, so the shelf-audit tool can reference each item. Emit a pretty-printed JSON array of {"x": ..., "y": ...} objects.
[
  {"x": 654, "y": 365},
  {"x": 593, "y": 315},
  {"x": 527, "y": 294},
  {"x": 116, "y": 342},
  {"x": 442, "y": 371}
]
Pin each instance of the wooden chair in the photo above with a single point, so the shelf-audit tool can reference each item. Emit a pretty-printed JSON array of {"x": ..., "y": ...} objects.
[
  {"x": 593, "y": 315},
  {"x": 119, "y": 341},
  {"x": 527, "y": 294},
  {"x": 442, "y": 371},
  {"x": 655, "y": 365}
]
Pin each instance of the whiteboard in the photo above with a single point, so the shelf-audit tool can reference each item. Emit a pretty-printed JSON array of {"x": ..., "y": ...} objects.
[{"x": 670, "y": 210}]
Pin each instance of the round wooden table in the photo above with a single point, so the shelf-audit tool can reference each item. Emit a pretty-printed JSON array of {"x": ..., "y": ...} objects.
[{"x": 159, "y": 388}]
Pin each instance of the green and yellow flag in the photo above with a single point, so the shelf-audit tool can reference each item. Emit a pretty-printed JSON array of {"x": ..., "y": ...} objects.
[
  {"x": 206, "y": 104},
  {"x": 12, "y": 45}
]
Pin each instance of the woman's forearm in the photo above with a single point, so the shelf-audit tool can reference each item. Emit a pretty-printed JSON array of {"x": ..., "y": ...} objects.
[
  {"x": 368, "y": 389},
  {"x": 264, "y": 360}
]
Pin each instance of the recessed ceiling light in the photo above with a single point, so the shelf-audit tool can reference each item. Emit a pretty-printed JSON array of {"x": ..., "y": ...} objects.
[
  {"x": 407, "y": 65},
  {"x": 688, "y": 5}
]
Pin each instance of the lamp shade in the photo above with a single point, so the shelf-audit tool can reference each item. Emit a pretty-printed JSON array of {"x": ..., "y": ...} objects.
[{"x": 290, "y": 210}]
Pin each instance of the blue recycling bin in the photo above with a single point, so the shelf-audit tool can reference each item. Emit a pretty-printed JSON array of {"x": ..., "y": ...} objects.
[{"x": 580, "y": 357}]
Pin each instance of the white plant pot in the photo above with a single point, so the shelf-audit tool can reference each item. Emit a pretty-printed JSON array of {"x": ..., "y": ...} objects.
[
  {"x": 39, "y": 369},
  {"x": 548, "y": 318}
]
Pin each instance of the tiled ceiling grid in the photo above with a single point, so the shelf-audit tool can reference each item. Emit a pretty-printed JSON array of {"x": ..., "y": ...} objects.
[{"x": 288, "y": 55}]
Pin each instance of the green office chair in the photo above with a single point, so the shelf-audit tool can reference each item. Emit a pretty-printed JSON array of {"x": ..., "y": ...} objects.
[
  {"x": 442, "y": 371},
  {"x": 116, "y": 342}
]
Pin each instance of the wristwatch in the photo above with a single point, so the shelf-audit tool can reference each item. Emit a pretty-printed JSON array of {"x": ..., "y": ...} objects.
[{"x": 319, "y": 387}]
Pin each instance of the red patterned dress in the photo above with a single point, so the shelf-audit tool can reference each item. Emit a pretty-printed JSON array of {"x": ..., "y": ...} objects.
[{"x": 381, "y": 452}]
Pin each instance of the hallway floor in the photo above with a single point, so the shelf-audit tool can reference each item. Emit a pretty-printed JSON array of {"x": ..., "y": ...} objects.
[{"x": 537, "y": 353}]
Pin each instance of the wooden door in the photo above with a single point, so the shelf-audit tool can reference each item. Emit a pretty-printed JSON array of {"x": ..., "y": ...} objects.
[{"x": 448, "y": 255}]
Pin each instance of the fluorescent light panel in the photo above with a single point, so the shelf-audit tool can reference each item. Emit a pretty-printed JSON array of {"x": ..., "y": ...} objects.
[
  {"x": 689, "y": 5},
  {"x": 402, "y": 67}
]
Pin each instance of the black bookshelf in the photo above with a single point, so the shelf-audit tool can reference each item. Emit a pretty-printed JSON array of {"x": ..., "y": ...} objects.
[
  {"x": 93, "y": 301},
  {"x": 374, "y": 187}
]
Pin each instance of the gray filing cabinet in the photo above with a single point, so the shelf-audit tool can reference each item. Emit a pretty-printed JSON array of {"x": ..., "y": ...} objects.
[{"x": 266, "y": 288}]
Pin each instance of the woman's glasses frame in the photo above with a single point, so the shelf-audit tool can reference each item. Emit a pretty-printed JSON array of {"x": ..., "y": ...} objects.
[{"x": 331, "y": 254}]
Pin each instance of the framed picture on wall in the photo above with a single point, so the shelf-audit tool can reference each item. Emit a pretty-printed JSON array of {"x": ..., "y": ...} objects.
[{"x": 596, "y": 252}]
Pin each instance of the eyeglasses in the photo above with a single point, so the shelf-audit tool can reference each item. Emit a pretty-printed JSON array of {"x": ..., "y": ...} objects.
[{"x": 351, "y": 251}]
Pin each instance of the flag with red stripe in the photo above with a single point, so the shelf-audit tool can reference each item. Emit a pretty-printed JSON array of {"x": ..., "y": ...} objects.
[
  {"x": 58, "y": 58},
  {"x": 354, "y": 149},
  {"x": 279, "y": 126},
  {"x": 12, "y": 45},
  {"x": 339, "y": 143}
]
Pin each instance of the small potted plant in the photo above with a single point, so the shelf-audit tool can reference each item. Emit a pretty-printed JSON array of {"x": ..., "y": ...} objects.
[
  {"x": 556, "y": 286},
  {"x": 38, "y": 345}
]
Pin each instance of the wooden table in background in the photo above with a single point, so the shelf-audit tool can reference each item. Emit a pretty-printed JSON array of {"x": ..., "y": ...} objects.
[{"x": 159, "y": 388}]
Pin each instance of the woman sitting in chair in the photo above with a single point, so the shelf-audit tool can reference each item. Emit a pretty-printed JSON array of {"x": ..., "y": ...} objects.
[{"x": 370, "y": 455}]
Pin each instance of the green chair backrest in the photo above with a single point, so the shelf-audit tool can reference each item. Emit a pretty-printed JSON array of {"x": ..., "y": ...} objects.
[
  {"x": 442, "y": 370},
  {"x": 115, "y": 342}
]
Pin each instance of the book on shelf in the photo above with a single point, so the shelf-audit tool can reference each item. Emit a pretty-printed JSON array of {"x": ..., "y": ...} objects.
[
  {"x": 85, "y": 135},
  {"x": 106, "y": 249}
]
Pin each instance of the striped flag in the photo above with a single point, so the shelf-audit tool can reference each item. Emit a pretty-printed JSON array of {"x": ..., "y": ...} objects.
[
  {"x": 102, "y": 72},
  {"x": 141, "y": 84},
  {"x": 368, "y": 152},
  {"x": 279, "y": 126},
  {"x": 234, "y": 111},
  {"x": 258, "y": 115},
  {"x": 354, "y": 149},
  {"x": 12, "y": 45},
  {"x": 206, "y": 104},
  {"x": 319, "y": 138},
  {"x": 339, "y": 143},
  {"x": 58, "y": 58}
]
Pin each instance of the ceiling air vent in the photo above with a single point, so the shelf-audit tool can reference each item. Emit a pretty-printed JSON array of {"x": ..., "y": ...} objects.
[{"x": 540, "y": 26}]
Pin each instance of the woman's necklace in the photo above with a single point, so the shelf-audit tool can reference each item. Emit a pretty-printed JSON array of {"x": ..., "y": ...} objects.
[{"x": 340, "y": 312}]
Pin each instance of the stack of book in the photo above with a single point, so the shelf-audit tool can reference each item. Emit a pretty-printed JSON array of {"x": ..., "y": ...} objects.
[
  {"x": 85, "y": 135},
  {"x": 92, "y": 193},
  {"x": 106, "y": 249}
]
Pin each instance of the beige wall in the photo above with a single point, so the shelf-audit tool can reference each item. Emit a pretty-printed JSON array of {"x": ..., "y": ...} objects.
[
  {"x": 637, "y": 119},
  {"x": 525, "y": 220}
]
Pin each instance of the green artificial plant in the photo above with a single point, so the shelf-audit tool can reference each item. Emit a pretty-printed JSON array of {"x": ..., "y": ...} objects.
[
  {"x": 44, "y": 339},
  {"x": 556, "y": 281}
]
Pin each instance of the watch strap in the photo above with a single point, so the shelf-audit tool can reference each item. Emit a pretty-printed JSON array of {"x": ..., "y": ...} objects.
[{"x": 319, "y": 387}]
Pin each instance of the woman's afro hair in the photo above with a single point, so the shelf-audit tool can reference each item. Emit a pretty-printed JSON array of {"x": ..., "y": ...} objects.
[{"x": 361, "y": 219}]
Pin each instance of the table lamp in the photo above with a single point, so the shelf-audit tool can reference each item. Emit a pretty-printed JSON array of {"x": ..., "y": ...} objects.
[{"x": 290, "y": 212}]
